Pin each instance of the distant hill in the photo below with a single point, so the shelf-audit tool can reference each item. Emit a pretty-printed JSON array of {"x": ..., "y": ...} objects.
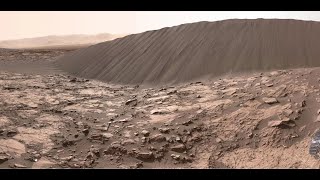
[{"x": 59, "y": 41}]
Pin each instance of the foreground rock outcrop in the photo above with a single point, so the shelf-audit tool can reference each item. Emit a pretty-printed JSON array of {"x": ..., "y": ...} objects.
[{"x": 54, "y": 121}]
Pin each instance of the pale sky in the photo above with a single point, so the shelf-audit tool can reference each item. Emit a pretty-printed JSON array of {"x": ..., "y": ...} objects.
[{"x": 26, "y": 24}]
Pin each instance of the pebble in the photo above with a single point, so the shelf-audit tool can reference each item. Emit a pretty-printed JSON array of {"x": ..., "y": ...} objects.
[{"x": 145, "y": 132}]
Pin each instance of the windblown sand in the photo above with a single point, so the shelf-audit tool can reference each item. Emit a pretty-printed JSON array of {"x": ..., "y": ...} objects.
[{"x": 191, "y": 51}]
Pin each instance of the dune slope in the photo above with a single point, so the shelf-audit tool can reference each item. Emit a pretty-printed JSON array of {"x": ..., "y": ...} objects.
[{"x": 186, "y": 52}]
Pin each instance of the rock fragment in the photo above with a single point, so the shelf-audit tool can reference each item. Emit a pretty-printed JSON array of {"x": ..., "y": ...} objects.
[
  {"x": 178, "y": 148},
  {"x": 269, "y": 100}
]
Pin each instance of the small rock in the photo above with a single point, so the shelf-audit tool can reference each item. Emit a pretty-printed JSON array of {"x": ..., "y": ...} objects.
[
  {"x": 127, "y": 142},
  {"x": 3, "y": 158},
  {"x": 172, "y": 92},
  {"x": 186, "y": 123},
  {"x": 269, "y": 84},
  {"x": 68, "y": 158},
  {"x": 139, "y": 165},
  {"x": 318, "y": 119},
  {"x": 158, "y": 111},
  {"x": 85, "y": 131},
  {"x": 19, "y": 166},
  {"x": 145, "y": 155},
  {"x": 278, "y": 122},
  {"x": 302, "y": 104},
  {"x": 258, "y": 84},
  {"x": 11, "y": 133},
  {"x": 286, "y": 119},
  {"x": 143, "y": 139},
  {"x": 123, "y": 120},
  {"x": 274, "y": 123},
  {"x": 274, "y": 73},
  {"x": 107, "y": 135},
  {"x": 164, "y": 130},
  {"x": 218, "y": 140},
  {"x": 178, "y": 139},
  {"x": 269, "y": 100},
  {"x": 288, "y": 112},
  {"x": 175, "y": 156},
  {"x": 158, "y": 138},
  {"x": 95, "y": 151},
  {"x": 178, "y": 148},
  {"x": 302, "y": 128},
  {"x": 151, "y": 148},
  {"x": 145, "y": 133},
  {"x": 73, "y": 80},
  {"x": 132, "y": 102}
]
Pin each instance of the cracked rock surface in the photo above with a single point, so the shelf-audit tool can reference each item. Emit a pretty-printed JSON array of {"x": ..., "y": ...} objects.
[{"x": 53, "y": 120}]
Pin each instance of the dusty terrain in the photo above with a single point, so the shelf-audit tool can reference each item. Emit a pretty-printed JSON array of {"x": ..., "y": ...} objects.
[{"x": 255, "y": 120}]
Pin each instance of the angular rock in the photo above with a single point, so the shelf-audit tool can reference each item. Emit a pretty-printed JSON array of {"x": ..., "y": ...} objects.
[
  {"x": 3, "y": 158},
  {"x": 143, "y": 139},
  {"x": 269, "y": 100},
  {"x": 19, "y": 166},
  {"x": 178, "y": 148},
  {"x": 218, "y": 140},
  {"x": 274, "y": 73},
  {"x": 164, "y": 130},
  {"x": 11, "y": 133},
  {"x": 318, "y": 119},
  {"x": 175, "y": 156},
  {"x": 85, "y": 131},
  {"x": 145, "y": 133},
  {"x": 288, "y": 112},
  {"x": 277, "y": 123},
  {"x": 172, "y": 92},
  {"x": 269, "y": 84},
  {"x": 145, "y": 155},
  {"x": 274, "y": 123},
  {"x": 158, "y": 138},
  {"x": 107, "y": 135},
  {"x": 131, "y": 102},
  {"x": 127, "y": 142}
]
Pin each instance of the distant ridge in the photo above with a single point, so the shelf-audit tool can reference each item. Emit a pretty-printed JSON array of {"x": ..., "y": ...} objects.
[{"x": 65, "y": 40}]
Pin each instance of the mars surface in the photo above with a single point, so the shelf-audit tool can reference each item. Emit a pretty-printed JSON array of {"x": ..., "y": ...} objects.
[{"x": 84, "y": 116}]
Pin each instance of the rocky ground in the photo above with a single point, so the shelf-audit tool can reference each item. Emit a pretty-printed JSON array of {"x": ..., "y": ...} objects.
[
  {"x": 31, "y": 55},
  {"x": 258, "y": 120}
]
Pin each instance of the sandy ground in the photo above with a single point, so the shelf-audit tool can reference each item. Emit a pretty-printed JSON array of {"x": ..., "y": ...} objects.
[{"x": 261, "y": 120}]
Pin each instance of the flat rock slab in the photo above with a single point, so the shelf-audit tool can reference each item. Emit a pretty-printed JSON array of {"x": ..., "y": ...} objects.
[{"x": 12, "y": 147}]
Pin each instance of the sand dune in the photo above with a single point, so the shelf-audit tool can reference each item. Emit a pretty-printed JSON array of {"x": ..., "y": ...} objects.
[
  {"x": 190, "y": 51},
  {"x": 54, "y": 41}
]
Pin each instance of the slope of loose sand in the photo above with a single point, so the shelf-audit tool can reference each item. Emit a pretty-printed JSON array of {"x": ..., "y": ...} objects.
[{"x": 190, "y": 51}]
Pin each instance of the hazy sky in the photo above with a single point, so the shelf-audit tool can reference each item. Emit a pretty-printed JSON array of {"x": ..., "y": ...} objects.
[{"x": 24, "y": 24}]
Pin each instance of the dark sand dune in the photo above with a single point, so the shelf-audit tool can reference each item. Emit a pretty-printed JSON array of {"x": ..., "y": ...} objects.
[{"x": 190, "y": 51}]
